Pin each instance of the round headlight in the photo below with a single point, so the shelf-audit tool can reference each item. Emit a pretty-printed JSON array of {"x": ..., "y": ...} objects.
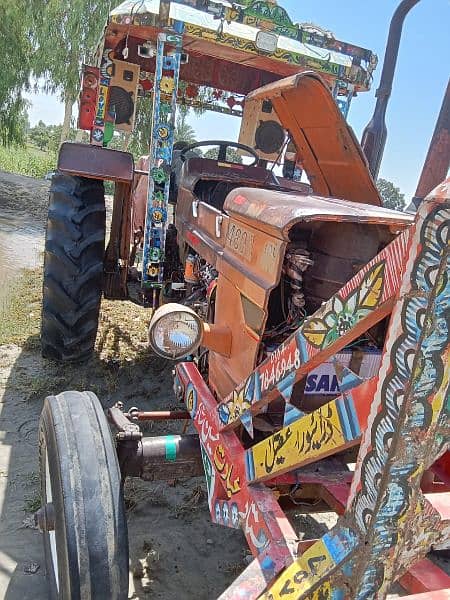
[{"x": 175, "y": 331}]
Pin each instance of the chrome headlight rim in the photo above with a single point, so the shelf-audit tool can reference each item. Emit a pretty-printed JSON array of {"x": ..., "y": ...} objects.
[{"x": 169, "y": 311}]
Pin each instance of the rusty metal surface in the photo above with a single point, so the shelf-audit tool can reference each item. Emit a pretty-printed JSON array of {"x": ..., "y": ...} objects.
[
  {"x": 126, "y": 430},
  {"x": 277, "y": 212},
  {"x": 201, "y": 226},
  {"x": 118, "y": 250},
  {"x": 401, "y": 417},
  {"x": 323, "y": 334},
  {"x": 199, "y": 232},
  {"x": 250, "y": 69},
  {"x": 250, "y": 261},
  {"x": 196, "y": 223},
  {"x": 250, "y": 268},
  {"x": 408, "y": 429},
  {"x": 95, "y": 162},
  {"x": 207, "y": 169},
  {"x": 437, "y": 161},
  {"x": 330, "y": 153}
]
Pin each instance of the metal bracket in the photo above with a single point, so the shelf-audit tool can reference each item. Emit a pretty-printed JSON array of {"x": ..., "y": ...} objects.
[{"x": 127, "y": 431}]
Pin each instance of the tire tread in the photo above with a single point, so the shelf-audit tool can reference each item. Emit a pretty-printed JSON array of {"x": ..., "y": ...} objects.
[{"x": 73, "y": 268}]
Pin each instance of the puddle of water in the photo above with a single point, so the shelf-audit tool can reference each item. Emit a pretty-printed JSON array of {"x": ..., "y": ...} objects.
[
  {"x": 23, "y": 207},
  {"x": 23, "y": 217},
  {"x": 21, "y": 244}
]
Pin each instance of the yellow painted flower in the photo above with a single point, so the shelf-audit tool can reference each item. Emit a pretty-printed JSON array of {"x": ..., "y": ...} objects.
[{"x": 167, "y": 85}]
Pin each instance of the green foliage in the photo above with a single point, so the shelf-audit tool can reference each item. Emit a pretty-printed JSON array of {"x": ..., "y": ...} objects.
[
  {"x": 20, "y": 312},
  {"x": 47, "y": 137},
  {"x": 232, "y": 155},
  {"x": 66, "y": 34},
  {"x": 40, "y": 135},
  {"x": 26, "y": 161},
  {"x": 183, "y": 131},
  {"x": 391, "y": 195},
  {"x": 140, "y": 138},
  {"x": 15, "y": 53}
]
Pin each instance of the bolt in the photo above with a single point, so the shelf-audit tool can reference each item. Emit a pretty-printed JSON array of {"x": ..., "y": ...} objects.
[
  {"x": 44, "y": 518},
  {"x": 133, "y": 413}
]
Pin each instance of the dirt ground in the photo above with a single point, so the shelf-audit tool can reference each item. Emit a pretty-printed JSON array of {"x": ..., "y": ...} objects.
[
  {"x": 173, "y": 545},
  {"x": 175, "y": 551}
]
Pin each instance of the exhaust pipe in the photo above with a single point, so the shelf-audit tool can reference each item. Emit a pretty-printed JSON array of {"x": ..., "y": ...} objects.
[{"x": 375, "y": 134}]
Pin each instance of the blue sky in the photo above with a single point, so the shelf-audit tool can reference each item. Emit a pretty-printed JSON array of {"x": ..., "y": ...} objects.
[{"x": 420, "y": 82}]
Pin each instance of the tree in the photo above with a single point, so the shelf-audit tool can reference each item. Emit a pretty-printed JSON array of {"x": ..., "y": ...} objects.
[
  {"x": 65, "y": 36},
  {"x": 47, "y": 137},
  {"x": 15, "y": 53},
  {"x": 140, "y": 137},
  {"x": 39, "y": 136},
  {"x": 183, "y": 131},
  {"x": 391, "y": 195}
]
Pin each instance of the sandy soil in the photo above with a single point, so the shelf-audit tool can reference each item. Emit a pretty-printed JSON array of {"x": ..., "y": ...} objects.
[
  {"x": 176, "y": 553},
  {"x": 173, "y": 544}
]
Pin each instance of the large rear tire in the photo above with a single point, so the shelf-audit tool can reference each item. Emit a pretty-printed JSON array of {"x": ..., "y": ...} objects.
[
  {"x": 86, "y": 554},
  {"x": 73, "y": 268}
]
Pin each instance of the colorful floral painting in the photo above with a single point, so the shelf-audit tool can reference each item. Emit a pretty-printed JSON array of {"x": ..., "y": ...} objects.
[
  {"x": 346, "y": 313},
  {"x": 167, "y": 85}
]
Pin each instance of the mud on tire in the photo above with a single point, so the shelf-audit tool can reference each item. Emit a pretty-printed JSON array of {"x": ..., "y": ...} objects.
[{"x": 73, "y": 268}]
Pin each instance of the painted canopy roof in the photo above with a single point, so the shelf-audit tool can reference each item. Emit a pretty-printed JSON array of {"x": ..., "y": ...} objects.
[{"x": 227, "y": 31}]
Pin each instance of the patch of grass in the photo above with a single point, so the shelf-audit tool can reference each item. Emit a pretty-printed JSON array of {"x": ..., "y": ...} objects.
[
  {"x": 33, "y": 499},
  {"x": 121, "y": 348},
  {"x": 20, "y": 313},
  {"x": 192, "y": 502},
  {"x": 26, "y": 161},
  {"x": 122, "y": 334},
  {"x": 32, "y": 502},
  {"x": 137, "y": 492}
]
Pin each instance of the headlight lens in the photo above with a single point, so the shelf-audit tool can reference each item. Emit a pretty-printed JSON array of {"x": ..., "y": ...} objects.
[{"x": 175, "y": 331}]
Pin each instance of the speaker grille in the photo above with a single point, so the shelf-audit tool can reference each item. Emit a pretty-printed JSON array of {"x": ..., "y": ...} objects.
[{"x": 269, "y": 137}]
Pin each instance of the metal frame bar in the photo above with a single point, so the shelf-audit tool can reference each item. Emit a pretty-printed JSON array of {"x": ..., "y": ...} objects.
[{"x": 160, "y": 159}]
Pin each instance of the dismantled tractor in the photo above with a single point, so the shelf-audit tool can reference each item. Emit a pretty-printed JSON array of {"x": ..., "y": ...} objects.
[{"x": 309, "y": 324}]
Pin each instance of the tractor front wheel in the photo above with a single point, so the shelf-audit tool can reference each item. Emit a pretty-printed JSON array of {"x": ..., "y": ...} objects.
[
  {"x": 85, "y": 531},
  {"x": 73, "y": 268}
]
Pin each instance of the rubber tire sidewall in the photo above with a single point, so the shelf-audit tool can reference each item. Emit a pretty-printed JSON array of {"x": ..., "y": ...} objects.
[{"x": 54, "y": 438}]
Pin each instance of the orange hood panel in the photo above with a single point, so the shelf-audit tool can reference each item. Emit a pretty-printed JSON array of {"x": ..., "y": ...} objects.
[
  {"x": 331, "y": 155},
  {"x": 277, "y": 212}
]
